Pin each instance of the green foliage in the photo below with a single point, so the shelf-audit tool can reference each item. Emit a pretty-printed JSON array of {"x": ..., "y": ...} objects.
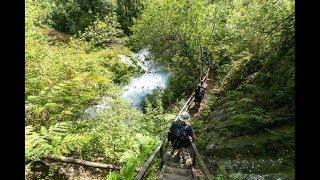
[
  {"x": 73, "y": 16},
  {"x": 256, "y": 31},
  {"x": 154, "y": 120},
  {"x": 144, "y": 147},
  {"x": 177, "y": 88},
  {"x": 250, "y": 43},
  {"x": 104, "y": 32},
  {"x": 62, "y": 80},
  {"x": 201, "y": 137},
  {"x": 174, "y": 29},
  {"x": 127, "y": 10},
  {"x": 57, "y": 140}
]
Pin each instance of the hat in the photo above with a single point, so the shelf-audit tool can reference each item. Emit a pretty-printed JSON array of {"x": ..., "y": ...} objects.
[{"x": 184, "y": 116}]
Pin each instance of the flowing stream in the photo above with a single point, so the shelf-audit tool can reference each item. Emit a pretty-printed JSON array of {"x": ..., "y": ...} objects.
[
  {"x": 154, "y": 77},
  {"x": 136, "y": 90}
]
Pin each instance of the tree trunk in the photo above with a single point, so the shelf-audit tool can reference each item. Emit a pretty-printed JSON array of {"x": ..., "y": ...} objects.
[{"x": 83, "y": 162}]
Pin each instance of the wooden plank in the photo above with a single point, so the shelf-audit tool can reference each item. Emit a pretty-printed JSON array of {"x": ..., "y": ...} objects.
[
  {"x": 166, "y": 155},
  {"x": 203, "y": 165},
  {"x": 176, "y": 177},
  {"x": 178, "y": 171},
  {"x": 147, "y": 164}
]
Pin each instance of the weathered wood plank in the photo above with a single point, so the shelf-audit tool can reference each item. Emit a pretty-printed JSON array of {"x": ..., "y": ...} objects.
[
  {"x": 147, "y": 164},
  {"x": 203, "y": 165},
  {"x": 176, "y": 177}
]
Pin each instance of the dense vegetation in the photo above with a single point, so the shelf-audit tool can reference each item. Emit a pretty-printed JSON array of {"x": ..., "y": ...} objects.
[
  {"x": 251, "y": 46},
  {"x": 65, "y": 75},
  {"x": 72, "y": 62}
]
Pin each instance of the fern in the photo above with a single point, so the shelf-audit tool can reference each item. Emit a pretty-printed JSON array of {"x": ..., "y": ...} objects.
[
  {"x": 128, "y": 171},
  {"x": 229, "y": 104},
  {"x": 143, "y": 146},
  {"x": 127, "y": 155},
  {"x": 56, "y": 140},
  {"x": 60, "y": 129},
  {"x": 246, "y": 118},
  {"x": 73, "y": 141},
  {"x": 113, "y": 176}
]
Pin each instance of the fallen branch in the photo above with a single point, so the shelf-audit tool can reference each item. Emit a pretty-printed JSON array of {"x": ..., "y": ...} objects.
[{"x": 83, "y": 162}]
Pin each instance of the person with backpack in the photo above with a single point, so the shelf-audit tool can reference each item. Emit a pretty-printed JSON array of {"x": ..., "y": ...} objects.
[
  {"x": 180, "y": 135},
  {"x": 199, "y": 93}
]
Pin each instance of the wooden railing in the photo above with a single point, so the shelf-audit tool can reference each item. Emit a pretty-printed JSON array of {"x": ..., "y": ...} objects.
[
  {"x": 146, "y": 165},
  {"x": 186, "y": 105},
  {"x": 160, "y": 149},
  {"x": 196, "y": 155}
]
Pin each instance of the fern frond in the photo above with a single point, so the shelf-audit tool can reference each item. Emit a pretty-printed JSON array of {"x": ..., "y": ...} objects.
[
  {"x": 60, "y": 129},
  {"x": 72, "y": 141},
  {"x": 44, "y": 132}
]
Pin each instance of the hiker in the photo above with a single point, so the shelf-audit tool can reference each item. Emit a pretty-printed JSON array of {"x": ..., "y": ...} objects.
[
  {"x": 199, "y": 93},
  {"x": 180, "y": 135}
]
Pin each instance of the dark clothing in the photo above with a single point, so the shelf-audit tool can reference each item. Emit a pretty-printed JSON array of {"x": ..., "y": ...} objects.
[
  {"x": 198, "y": 98},
  {"x": 178, "y": 124},
  {"x": 199, "y": 92},
  {"x": 177, "y": 143}
]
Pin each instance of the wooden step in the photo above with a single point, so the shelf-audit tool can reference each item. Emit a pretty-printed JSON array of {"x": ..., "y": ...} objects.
[
  {"x": 167, "y": 176},
  {"x": 177, "y": 171},
  {"x": 171, "y": 164},
  {"x": 175, "y": 159}
]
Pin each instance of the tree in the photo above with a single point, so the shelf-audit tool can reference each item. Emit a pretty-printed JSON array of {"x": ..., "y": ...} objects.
[
  {"x": 176, "y": 32},
  {"x": 127, "y": 10},
  {"x": 71, "y": 16}
]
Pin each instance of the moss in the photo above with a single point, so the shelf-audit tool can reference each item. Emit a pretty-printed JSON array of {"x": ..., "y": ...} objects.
[{"x": 277, "y": 142}]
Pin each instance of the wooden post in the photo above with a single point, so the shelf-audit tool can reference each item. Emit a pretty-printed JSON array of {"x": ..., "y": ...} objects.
[
  {"x": 161, "y": 155},
  {"x": 193, "y": 158}
]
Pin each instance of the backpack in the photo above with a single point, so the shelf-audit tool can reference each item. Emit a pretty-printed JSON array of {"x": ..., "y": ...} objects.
[
  {"x": 180, "y": 138},
  {"x": 200, "y": 91},
  {"x": 180, "y": 134}
]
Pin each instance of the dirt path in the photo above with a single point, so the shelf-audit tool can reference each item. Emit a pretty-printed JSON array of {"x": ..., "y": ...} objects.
[{"x": 198, "y": 113}]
